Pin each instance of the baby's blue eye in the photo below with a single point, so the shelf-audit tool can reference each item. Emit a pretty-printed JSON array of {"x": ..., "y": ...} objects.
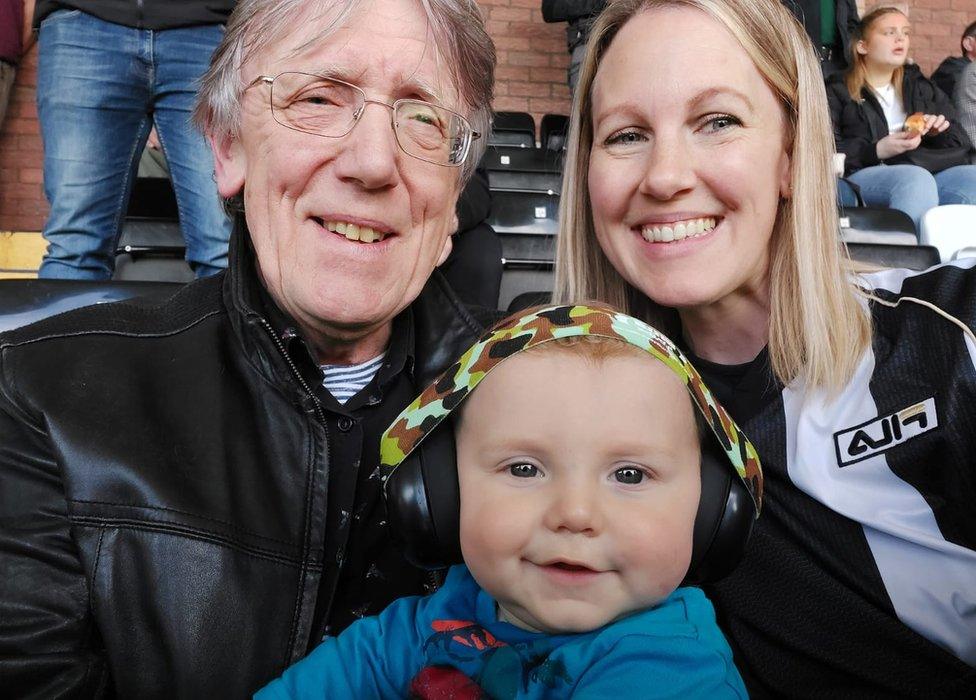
[
  {"x": 524, "y": 470},
  {"x": 629, "y": 475}
]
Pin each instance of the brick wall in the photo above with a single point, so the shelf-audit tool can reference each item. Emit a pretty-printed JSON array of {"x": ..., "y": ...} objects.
[
  {"x": 531, "y": 77},
  {"x": 22, "y": 204}
]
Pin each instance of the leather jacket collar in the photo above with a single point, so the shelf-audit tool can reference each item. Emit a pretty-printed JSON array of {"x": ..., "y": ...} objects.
[{"x": 442, "y": 325}]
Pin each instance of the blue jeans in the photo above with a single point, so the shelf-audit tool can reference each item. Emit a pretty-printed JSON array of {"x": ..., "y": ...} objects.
[
  {"x": 915, "y": 190},
  {"x": 100, "y": 88}
]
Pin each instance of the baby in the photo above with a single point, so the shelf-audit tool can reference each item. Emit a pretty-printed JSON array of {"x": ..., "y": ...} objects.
[{"x": 586, "y": 488}]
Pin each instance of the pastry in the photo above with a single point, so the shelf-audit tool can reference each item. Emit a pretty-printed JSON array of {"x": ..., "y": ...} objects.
[{"x": 915, "y": 124}]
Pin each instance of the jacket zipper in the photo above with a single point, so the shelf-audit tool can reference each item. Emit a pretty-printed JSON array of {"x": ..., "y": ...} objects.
[
  {"x": 435, "y": 579},
  {"x": 301, "y": 380},
  {"x": 318, "y": 412}
]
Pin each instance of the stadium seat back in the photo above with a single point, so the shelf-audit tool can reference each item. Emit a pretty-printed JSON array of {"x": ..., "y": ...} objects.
[
  {"x": 554, "y": 132},
  {"x": 877, "y": 225},
  {"x": 526, "y": 280},
  {"x": 524, "y": 160},
  {"x": 515, "y": 129},
  {"x": 153, "y": 197},
  {"x": 518, "y": 181},
  {"x": 148, "y": 235},
  {"x": 24, "y": 301},
  {"x": 533, "y": 213},
  {"x": 913, "y": 257},
  {"x": 968, "y": 252},
  {"x": 949, "y": 228}
]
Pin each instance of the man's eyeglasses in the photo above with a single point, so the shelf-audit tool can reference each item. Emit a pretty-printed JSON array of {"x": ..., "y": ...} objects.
[{"x": 331, "y": 108}]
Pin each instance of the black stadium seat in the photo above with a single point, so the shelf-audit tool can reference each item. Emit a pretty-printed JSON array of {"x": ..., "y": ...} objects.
[
  {"x": 877, "y": 225},
  {"x": 524, "y": 160},
  {"x": 527, "y": 299},
  {"x": 153, "y": 198},
  {"x": 913, "y": 257},
  {"x": 554, "y": 132},
  {"x": 151, "y": 250},
  {"x": 517, "y": 181},
  {"x": 151, "y": 246},
  {"x": 24, "y": 301},
  {"x": 524, "y": 213},
  {"x": 144, "y": 235},
  {"x": 512, "y": 129},
  {"x": 528, "y": 280}
]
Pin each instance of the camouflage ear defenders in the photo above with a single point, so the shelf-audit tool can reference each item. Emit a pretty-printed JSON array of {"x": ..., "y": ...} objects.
[{"x": 550, "y": 323}]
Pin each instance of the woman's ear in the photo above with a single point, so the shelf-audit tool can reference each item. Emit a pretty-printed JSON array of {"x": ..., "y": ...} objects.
[
  {"x": 786, "y": 176},
  {"x": 230, "y": 164},
  {"x": 860, "y": 47}
]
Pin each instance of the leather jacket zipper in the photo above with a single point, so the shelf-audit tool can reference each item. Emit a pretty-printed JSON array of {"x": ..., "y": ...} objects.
[
  {"x": 318, "y": 412},
  {"x": 301, "y": 380}
]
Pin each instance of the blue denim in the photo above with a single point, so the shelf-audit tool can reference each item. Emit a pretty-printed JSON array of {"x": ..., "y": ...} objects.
[
  {"x": 915, "y": 190},
  {"x": 100, "y": 88},
  {"x": 908, "y": 188},
  {"x": 957, "y": 185},
  {"x": 846, "y": 197}
]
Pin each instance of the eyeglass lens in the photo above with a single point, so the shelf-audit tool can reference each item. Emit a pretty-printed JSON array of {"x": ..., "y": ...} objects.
[{"x": 325, "y": 107}]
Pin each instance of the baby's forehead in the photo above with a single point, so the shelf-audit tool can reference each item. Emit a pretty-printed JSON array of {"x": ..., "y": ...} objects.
[{"x": 567, "y": 362}]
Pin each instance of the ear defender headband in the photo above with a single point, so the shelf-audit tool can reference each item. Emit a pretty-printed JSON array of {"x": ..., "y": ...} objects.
[{"x": 419, "y": 462}]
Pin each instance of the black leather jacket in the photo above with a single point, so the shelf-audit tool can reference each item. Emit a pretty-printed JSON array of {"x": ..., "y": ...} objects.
[{"x": 163, "y": 478}]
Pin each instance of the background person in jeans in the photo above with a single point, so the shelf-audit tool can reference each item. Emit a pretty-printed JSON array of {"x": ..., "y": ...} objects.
[
  {"x": 107, "y": 72},
  {"x": 912, "y": 171}
]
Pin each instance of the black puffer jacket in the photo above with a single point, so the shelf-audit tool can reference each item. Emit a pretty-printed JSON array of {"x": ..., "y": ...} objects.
[
  {"x": 947, "y": 74},
  {"x": 580, "y": 14},
  {"x": 858, "y": 126},
  {"x": 163, "y": 486}
]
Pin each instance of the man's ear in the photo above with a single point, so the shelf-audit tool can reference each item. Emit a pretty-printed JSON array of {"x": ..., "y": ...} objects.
[
  {"x": 969, "y": 44},
  {"x": 446, "y": 250},
  {"x": 230, "y": 163}
]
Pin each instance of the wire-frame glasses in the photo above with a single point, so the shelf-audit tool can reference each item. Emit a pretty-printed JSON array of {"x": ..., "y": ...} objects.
[{"x": 328, "y": 107}]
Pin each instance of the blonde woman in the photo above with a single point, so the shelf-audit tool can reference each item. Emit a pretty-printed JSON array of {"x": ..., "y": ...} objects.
[
  {"x": 699, "y": 196},
  {"x": 895, "y": 162}
]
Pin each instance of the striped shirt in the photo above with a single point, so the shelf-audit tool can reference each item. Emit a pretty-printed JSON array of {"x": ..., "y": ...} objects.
[
  {"x": 345, "y": 381},
  {"x": 860, "y": 576}
]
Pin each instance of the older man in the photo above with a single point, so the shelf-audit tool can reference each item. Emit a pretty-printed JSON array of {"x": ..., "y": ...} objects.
[{"x": 188, "y": 493}]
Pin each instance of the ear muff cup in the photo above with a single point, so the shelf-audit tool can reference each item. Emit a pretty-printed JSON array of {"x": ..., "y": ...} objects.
[
  {"x": 423, "y": 504},
  {"x": 723, "y": 524}
]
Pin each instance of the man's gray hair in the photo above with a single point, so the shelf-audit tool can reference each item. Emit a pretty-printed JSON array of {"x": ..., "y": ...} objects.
[{"x": 463, "y": 48}]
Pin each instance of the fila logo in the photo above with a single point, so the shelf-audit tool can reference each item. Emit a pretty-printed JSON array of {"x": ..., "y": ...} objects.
[{"x": 881, "y": 434}]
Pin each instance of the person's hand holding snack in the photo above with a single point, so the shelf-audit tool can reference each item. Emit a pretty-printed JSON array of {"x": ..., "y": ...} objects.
[
  {"x": 898, "y": 142},
  {"x": 923, "y": 124}
]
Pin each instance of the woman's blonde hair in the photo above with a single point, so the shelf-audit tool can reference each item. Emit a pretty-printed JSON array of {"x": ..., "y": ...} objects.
[
  {"x": 818, "y": 328},
  {"x": 856, "y": 77}
]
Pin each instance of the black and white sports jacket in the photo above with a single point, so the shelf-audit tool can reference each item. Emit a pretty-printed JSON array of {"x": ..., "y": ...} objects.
[{"x": 860, "y": 578}]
